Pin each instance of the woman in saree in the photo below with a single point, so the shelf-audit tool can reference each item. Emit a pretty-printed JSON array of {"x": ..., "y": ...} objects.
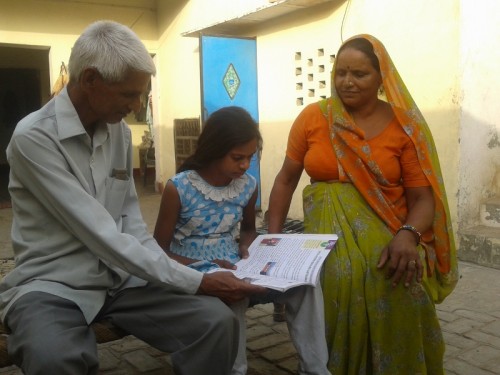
[{"x": 376, "y": 182}]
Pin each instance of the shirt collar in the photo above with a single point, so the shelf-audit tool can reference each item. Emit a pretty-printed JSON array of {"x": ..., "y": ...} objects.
[{"x": 68, "y": 122}]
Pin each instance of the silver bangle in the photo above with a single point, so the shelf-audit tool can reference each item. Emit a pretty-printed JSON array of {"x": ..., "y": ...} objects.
[{"x": 411, "y": 228}]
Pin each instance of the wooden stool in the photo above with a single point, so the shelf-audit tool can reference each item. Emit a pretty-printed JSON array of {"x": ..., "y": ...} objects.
[{"x": 104, "y": 330}]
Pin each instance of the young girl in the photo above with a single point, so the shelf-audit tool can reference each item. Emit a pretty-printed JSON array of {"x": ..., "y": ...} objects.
[{"x": 207, "y": 220}]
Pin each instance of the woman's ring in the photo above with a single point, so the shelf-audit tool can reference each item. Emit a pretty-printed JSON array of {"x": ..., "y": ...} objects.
[{"x": 412, "y": 263}]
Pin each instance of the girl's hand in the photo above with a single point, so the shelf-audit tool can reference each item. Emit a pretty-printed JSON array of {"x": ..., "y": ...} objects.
[
  {"x": 243, "y": 252},
  {"x": 224, "y": 264},
  {"x": 401, "y": 256}
]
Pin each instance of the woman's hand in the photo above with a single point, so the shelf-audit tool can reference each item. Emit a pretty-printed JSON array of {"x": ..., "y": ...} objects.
[
  {"x": 401, "y": 257},
  {"x": 224, "y": 264}
]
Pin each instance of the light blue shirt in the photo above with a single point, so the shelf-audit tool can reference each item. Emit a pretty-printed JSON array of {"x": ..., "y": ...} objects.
[{"x": 77, "y": 231}]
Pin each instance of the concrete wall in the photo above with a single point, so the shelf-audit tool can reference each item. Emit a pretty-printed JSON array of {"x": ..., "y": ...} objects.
[
  {"x": 422, "y": 38},
  {"x": 446, "y": 51},
  {"x": 177, "y": 83},
  {"x": 479, "y": 172},
  {"x": 55, "y": 25}
]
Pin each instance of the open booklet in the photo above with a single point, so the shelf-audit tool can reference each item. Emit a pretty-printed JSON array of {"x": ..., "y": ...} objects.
[{"x": 284, "y": 261}]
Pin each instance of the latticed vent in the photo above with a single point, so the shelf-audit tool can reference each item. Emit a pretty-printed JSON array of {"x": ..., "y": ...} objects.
[{"x": 186, "y": 133}]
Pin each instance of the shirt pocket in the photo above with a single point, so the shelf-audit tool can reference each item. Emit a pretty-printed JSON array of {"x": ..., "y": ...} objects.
[{"x": 116, "y": 192}]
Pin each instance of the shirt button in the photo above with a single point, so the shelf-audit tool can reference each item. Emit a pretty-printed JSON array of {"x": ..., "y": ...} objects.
[{"x": 92, "y": 160}]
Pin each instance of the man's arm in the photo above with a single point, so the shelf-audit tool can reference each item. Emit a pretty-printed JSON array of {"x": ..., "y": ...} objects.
[
  {"x": 168, "y": 214},
  {"x": 49, "y": 175}
]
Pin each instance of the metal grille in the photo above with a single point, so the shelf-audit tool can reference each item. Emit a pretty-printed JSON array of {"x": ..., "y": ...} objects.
[{"x": 186, "y": 133}]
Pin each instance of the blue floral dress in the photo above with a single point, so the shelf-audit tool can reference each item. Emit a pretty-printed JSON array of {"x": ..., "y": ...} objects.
[{"x": 208, "y": 223}]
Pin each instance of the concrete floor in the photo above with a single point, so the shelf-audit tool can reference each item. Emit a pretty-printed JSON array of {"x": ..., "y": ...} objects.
[{"x": 469, "y": 317}]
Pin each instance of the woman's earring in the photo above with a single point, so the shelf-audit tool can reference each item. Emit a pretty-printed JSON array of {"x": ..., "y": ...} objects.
[{"x": 381, "y": 90}]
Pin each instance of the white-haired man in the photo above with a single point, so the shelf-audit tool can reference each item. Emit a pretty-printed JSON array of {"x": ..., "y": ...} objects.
[{"x": 82, "y": 249}]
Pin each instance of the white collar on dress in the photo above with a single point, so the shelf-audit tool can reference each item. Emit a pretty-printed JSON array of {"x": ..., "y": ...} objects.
[{"x": 217, "y": 193}]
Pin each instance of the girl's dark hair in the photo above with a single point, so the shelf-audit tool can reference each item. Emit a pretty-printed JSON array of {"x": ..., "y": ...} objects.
[
  {"x": 224, "y": 130},
  {"x": 362, "y": 45}
]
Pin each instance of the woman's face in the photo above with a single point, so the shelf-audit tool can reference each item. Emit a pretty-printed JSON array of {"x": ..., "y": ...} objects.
[{"x": 356, "y": 80}]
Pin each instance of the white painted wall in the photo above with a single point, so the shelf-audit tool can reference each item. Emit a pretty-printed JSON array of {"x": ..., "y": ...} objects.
[
  {"x": 422, "y": 38},
  {"x": 479, "y": 172},
  {"x": 446, "y": 51},
  {"x": 178, "y": 79},
  {"x": 57, "y": 24}
]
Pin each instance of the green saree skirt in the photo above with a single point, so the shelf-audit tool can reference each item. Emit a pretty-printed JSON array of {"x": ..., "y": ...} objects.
[{"x": 371, "y": 327}]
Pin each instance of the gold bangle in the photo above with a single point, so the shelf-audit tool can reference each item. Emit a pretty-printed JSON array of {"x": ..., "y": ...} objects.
[{"x": 411, "y": 228}]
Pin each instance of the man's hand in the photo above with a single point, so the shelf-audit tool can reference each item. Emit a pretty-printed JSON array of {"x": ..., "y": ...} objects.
[
  {"x": 224, "y": 264},
  {"x": 227, "y": 287}
]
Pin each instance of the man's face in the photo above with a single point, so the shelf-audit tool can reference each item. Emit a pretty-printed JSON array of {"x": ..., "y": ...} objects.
[{"x": 112, "y": 101}]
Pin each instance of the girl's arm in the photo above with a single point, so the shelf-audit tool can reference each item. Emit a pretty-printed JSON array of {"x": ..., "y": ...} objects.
[
  {"x": 168, "y": 215},
  {"x": 247, "y": 226}
]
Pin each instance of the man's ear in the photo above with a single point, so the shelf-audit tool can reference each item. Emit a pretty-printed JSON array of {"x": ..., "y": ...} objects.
[{"x": 90, "y": 79}]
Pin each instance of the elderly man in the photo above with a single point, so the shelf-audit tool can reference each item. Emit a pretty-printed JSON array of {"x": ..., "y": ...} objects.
[{"x": 82, "y": 248}]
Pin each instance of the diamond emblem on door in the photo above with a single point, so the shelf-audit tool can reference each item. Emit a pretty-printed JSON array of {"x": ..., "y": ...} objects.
[{"x": 231, "y": 81}]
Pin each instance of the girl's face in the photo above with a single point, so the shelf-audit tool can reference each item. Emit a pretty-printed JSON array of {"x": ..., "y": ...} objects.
[
  {"x": 237, "y": 161},
  {"x": 356, "y": 80}
]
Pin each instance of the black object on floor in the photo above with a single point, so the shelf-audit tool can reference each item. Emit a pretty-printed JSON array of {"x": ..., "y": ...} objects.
[{"x": 4, "y": 182}]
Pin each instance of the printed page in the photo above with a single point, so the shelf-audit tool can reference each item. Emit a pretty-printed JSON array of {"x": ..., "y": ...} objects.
[
  {"x": 268, "y": 281},
  {"x": 281, "y": 261}
]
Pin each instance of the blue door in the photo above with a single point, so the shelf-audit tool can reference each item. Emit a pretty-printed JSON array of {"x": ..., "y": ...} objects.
[{"x": 229, "y": 77}]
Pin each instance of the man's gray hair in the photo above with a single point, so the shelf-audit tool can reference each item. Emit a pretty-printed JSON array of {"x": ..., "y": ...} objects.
[{"x": 112, "y": 49}]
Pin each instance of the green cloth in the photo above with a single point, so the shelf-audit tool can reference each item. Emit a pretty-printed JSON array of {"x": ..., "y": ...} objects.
[{"x": 371, "y": 327}]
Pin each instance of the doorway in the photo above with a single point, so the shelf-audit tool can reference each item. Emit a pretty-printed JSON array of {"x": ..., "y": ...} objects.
[
  {"x": 229, "y": 78},
  {"x": 24, "y": 86}
]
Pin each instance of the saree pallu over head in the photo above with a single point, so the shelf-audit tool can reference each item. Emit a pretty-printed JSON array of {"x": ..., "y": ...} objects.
[{"x": 357, "y": 166}]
